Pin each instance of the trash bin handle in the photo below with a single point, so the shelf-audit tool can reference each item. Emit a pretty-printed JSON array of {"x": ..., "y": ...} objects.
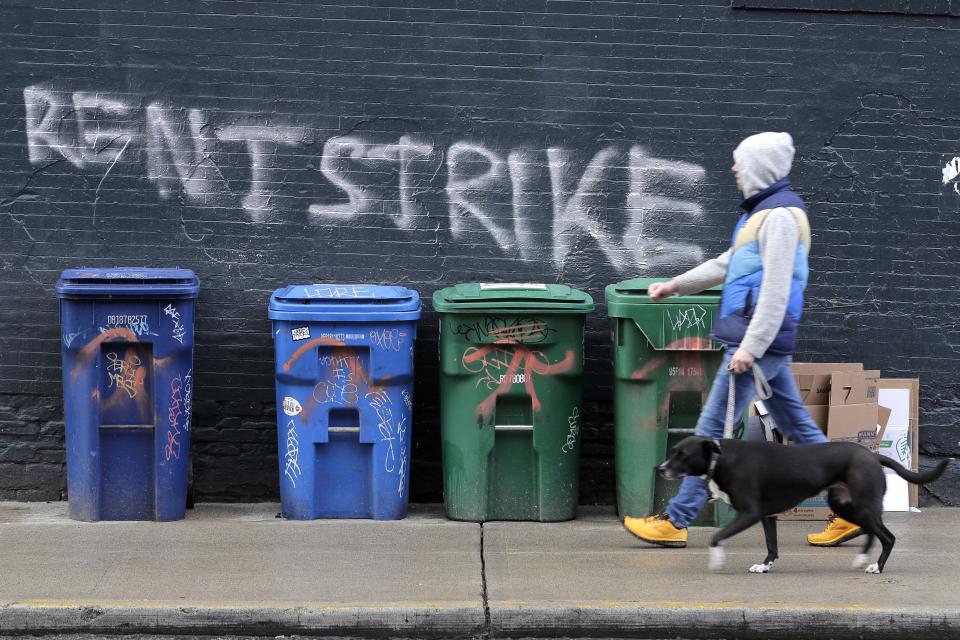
[{"x": 513, "y": 427}]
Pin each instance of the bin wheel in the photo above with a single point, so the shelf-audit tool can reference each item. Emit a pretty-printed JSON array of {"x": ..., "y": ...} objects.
[{"x": 190, "y": 495}]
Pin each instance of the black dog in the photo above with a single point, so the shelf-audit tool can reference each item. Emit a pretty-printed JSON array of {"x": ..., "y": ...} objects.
[{"x": 762, "y": 479}]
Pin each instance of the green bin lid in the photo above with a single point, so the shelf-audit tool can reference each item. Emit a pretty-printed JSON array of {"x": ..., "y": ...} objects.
[
  {"x": 512, "y": 296},
  {"x": 677, "y": 323},
  {"x": 635, "y": 292}
]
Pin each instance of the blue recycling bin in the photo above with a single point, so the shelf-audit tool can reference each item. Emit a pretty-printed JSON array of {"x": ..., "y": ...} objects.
[
  {"x": 127, "y": 390},
  {"x": 344, "y": 381}
]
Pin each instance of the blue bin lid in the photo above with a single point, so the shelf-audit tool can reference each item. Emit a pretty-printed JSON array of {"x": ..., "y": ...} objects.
[
  {"x": 128, "y": 281},
  {"x": 344, "y": 302}
]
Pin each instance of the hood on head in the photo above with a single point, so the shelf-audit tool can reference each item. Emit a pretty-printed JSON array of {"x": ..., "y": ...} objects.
[{"x": 762, "y": 159}]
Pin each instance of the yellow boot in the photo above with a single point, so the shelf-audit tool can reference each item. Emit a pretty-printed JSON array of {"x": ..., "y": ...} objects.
[
  {"x": 656, "y": 530},
  {"x": 837, "y": 532}
]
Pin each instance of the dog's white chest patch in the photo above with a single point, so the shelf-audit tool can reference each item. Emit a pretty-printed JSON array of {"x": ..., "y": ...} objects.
[{"x": 717, "y": 494}]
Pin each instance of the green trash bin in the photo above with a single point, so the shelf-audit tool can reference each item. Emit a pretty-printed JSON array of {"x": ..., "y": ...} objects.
[
  {"x": 511, "y": 363},
  {"x": 664, "y": 364}
]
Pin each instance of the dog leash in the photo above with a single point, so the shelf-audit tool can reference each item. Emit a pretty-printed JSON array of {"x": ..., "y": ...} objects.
[{"x": 763, "y": 392}]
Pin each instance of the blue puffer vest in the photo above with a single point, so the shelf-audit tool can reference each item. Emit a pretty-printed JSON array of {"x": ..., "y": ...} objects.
[{"x": 745, "y": 270}]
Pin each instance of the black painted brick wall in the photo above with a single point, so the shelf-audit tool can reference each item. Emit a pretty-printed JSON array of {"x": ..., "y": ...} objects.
[{"x": 206, "y": 136}]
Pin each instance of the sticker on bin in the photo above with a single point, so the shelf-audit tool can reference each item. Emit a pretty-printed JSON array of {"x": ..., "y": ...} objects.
[
  {"x": 493, "y": 286},
  {"x": 291, "y": 407},
  {"x": 300, "y": 333}
]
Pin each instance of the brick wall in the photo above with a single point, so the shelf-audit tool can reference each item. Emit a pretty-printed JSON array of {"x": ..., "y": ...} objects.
[{"x": 428, "y": 143}]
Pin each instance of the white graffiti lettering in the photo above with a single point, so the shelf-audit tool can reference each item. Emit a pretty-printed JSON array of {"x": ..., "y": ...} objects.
[
  {"x": 68, "y": 338},
  {"x": 539, "y": 205},
  {"x": 339, "y": 387},
  {"x": 359, "y": 167},
  {"x": 951, "y": 171},
  {"x": 573, "y": 422},
  {"x": 182, "y": 154},
  {"x": 387, "y": 339},
  {"x": 178, "y": 331},
  {"x": 691, "y": 318},
  {"x": 291, "y": 457},
  {"x": 336, "y": 293},
  {"x": 402, "y": 480},
  {"x": 263, "y": 144},
  {"x": 390, "y": 432}
]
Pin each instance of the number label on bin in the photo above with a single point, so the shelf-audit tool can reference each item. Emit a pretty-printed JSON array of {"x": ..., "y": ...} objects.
[
  {"x": 689, "y": 372},
  {"x": 300, "y": 333}
]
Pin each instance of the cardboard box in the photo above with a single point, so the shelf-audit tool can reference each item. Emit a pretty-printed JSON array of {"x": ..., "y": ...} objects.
[
  {"x": 841, "y": 397},
  {"x": 816, "y": 507},
  {"x": 814, "y": 382},
  {"x": 814, "y": 379},
  {"x": 854, "y": 387},
  {"x": 844, "y": 400},
  {"x": 854, "y": 423},
  {"x": 820, "y": 414},
  {"x": 854, "y": 413}
]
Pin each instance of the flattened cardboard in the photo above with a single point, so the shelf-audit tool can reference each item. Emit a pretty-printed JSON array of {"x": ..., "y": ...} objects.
[
  {"x": 883, "y": 420},
  {"x": 894, "y": 445},
  {"x": 897, "y": 496},
  {"x": 913, "y": 424}
]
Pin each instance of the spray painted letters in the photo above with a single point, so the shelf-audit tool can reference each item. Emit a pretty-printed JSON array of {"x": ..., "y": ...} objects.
[
  {"x": 616, "y": 200},
  {"x": 179, "y": 413}
]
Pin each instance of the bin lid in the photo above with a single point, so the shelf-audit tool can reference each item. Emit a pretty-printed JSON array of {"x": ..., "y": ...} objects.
[
  {"x": 512, "y": 296},
  {"x": 634, "y": 291},
  {"x": 344, "y": 302},
  {"x": 677, "y": 323},
  {"x": 127, "y": 281}
]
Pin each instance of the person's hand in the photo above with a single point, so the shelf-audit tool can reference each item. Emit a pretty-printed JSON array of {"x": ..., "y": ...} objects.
[
  {"x": 741, "y": 361},
  {"x": 660, "y": 290}
]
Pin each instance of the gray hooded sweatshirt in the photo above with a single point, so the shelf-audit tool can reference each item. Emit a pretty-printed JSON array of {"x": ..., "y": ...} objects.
[{"x": 762, "y": 159}]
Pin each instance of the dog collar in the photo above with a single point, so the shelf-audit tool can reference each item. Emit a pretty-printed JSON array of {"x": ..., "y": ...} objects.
[{"x": 714, "y": 457}]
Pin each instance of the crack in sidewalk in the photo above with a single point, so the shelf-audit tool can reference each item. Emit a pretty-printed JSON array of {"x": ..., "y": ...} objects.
[{"x": 486, "y": 633}]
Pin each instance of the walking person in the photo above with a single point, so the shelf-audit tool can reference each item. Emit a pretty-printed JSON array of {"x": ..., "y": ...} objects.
[{"x": 764, "y": 274}]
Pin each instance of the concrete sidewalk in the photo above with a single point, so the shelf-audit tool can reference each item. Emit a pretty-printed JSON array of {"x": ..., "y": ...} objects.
[{"x": 240, "y": 569}]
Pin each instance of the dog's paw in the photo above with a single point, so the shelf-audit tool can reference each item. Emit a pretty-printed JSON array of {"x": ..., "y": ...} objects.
[
  {"x": 761, "y": 568},
  {"x": 718, "y": 558},
  {"x": 860, "y": 561},
  {"x": 873, "y": 568}
]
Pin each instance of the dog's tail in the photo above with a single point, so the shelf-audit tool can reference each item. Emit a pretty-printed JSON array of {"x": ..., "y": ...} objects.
[{"x": 912, "y": 476}]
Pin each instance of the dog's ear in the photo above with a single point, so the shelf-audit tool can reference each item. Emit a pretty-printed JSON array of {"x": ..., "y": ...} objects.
[{"x": 710, "y": 447}]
